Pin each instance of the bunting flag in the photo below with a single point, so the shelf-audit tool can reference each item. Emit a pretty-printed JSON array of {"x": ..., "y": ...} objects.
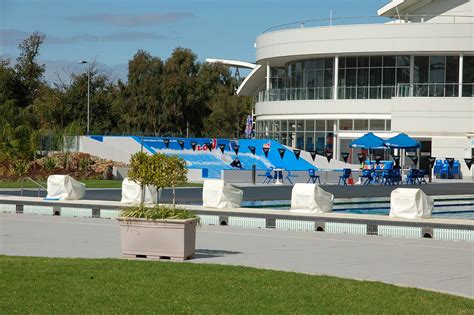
[
  {"x": 468, "y": 163},
  {"x": 396, "y": 159},
  {"x": 328, "y": 156},
  {"x": 450, "y": 161},
  {"x": 167, "y": 143},
  {"x": 432, "y": 160},
  {"x": 265, "y": 151},
  {"x": 252, "y": 149},
  {"x": 209, "y": 146},
  {"x": 181, "y": 143},
  {"x": 282, "y": 152},
  {"x": 313, "y": 154},
  {"x": 193, "y": 145},
  {"x": 345, "y": 156},
  {"x": 297, "y": 153},
  {"x": 377, "y": 159},
  {"x": 236, "y": 149},
  {"x": 222, "y": 147},
  {"x": 414, "y": 159},
  {"x": 361, "y": 157}
]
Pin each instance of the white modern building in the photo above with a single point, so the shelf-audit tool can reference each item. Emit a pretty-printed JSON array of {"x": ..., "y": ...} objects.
[{"x": 321, "y": 84}]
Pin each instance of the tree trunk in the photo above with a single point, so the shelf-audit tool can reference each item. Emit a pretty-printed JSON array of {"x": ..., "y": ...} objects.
[
  {"x": 174, "y": 195},
  {"x": 142, "y": 197}
]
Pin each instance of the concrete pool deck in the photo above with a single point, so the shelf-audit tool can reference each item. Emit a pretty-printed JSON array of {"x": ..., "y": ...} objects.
[{"x": 446, "y": 266}]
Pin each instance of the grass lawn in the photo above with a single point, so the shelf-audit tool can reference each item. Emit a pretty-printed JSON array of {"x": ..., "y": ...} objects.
[
  {"x": 90, "y": 183},
  {"x": 53, "y": 285}
]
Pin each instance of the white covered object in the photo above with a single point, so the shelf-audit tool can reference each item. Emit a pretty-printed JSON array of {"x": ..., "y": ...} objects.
[
  {"x": 310, "y": 198},
  {"x": 64, "y": 187},
  {"x": 410, "y": 203},
  {"x": 132, "y": 192},
  {"x": 218, "y": 194}
]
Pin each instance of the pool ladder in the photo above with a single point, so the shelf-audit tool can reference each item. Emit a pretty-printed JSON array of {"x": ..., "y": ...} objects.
[{"x": 24, "y": 179}]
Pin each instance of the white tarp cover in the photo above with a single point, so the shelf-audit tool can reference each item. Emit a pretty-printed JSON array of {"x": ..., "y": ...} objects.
[
  {"x": 132, "y": 192},
  {"x": 218, "y": 194},
  {"x": 410, "y": 203},
  {"x": 64, "y": 187},
  {"x": 310, "y": 198}
]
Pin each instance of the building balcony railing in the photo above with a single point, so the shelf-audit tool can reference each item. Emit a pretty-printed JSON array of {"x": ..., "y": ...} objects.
[
  {"x": 368, "y": 92},
  {"x": 354, "y": 20}
]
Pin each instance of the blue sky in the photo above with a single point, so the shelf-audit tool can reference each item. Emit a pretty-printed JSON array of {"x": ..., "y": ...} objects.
[{"x": 111, "y": 31}]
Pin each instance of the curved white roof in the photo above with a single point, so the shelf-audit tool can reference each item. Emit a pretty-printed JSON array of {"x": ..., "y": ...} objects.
[{"x": 233, "y": 63}]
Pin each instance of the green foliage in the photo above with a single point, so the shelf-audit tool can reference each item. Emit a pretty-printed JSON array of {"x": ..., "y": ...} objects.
[
  {"x": 20, "y": 168},
  {"x": 158, "y": 212},
  {"x": 49, "y": 164},
  {"x": 83, "y": 164},
  {"x": 39, "y": 285},
  {"x": 158, "y": 170}
]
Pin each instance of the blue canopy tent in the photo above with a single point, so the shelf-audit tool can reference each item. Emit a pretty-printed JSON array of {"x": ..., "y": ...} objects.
[
  {"x": 368, "y": 141},
  {"x": 403, "y": 141}
]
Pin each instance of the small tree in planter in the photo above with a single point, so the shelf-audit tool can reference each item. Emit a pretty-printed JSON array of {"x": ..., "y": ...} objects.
[{"x": 161, "y": 231}]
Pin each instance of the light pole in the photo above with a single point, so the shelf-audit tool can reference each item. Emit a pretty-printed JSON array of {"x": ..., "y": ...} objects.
[{"x": 88, "y": 91}]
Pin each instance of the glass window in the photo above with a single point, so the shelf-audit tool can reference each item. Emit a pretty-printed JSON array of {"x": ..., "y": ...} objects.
[
  {"x": 468, "y": 76},
  {"x": 437, "y": 68},
  {"x": 351, "y": 62},
  {"x": 284, "y": 125},
  {"x": 329, "y": 63},
  {"x": 320, "y": 125},
  {"x": 363, "y": 62},
  {"x": 403, "y": 75},
  {"x": 310, "y": 125},
  {"x": 361, "y": 124},
  {"x": 330, "y": 125},
  {"x": 389, "y": 61},
  {"x": 319, "y": 142},
  {"x": 377, "y": 124},
  {"x": 452, "y": 69},
  {"x": 389, "y": 76},
  {"x": 300, "y": 125},
  {"x": 422, "y": 66},
  {"x": 345, "y": 124},
  {"x": 403, "y": 61},
  {"x": 388, "y": 125},
  {"x": 375, "y": 61}
]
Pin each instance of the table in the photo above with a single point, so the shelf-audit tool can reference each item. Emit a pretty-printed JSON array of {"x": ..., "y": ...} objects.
[{"x": 279, "y": 174}]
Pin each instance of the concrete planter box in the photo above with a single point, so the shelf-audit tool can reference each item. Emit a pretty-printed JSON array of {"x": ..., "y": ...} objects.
[{"x": 158, "y": 239}]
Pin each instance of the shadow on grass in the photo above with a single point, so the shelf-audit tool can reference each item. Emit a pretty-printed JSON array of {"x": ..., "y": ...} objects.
[{"x": 212, "y": 253}]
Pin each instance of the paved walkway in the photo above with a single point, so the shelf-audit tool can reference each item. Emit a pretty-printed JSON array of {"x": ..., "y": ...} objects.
[{"x": 445, "y": 266}]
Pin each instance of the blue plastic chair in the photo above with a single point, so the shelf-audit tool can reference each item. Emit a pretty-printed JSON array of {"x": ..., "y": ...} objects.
[
  {"x": 278, "y": 176},
  {"x": 446, "y": 171},
  {"x": 421, "y": 177},
  {"x": 396, "y": 177},
  {"x": 268, "y": 176},
  {"x": 387, "y": 177},
  {"x": 437, "y": 167},
  {"x": 456, "y": 171},
  {"x": 288, "y": 176},
  {"x": 367, "y": 174},
  {"x": 313, "y": 177},
  {"x": 346, "y": 173},
  {"x": 412, "y": 176}
]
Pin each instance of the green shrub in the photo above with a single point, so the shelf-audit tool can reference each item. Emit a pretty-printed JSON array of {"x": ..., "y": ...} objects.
[
  {"x": 20, "y": 168},
  {"x": 49, "y": 164},
  {"x": 158, "y": 212},
  {"x": 84, "y": 164}
]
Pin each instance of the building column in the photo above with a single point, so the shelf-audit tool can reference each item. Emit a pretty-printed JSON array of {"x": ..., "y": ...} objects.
[
  {"x": 335, "y": 142},
  {"x": 412, "y": 74},
  {"x": 268, "y": 77},
  {"x": 461, "y": 70},
  {"x": 335, "y": 77}
]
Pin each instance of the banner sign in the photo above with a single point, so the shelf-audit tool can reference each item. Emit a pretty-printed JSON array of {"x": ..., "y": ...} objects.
[
  {"x": 468, "y": 163},
  {"x": 222, "y": 147},
  {"x": 282, "y": 152},
  {"x": 313, "y": 154},
  {"x": 252, "y": 149},
  {"x": 236, "y": 149},
  {"x": 432, "y": 161},
  {"x": 297, "y": 153},
  {"x": 265, "y": 151},
  {"x": 361, "y": 157},
  {"x": 167, "y": 143},
  {"x": 396, "y": 159},
  {"x": 414, "y": 159},
  {"x": 209, "y": 146},
  {"x": 181, "y": 143},
  {"x": 193, "y": 145},
  {"x": 345, "y": 156},
  {"x": 328, "y": 156}
]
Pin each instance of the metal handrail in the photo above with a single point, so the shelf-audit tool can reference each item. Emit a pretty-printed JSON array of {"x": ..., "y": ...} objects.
[
  {"x": 366, "y": 20},
  {"x": 34, "y": 182}
]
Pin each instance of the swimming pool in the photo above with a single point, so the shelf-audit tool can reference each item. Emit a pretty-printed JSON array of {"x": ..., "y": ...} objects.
[{"x": 445, "y": 207}]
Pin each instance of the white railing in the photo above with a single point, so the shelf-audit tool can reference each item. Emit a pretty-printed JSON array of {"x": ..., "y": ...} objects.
[
  {"x": 435, "y": 90},
  {"x": 438, "y": 19}
]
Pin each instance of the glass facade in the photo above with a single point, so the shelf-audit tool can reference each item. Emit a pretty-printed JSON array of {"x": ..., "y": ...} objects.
[
  {"x": 370, "y": 77},
  {"x": 314, "y": 135}
]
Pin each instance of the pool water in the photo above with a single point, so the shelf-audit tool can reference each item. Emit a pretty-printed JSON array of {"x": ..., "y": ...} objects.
[{"x": 452, "y": 209}]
